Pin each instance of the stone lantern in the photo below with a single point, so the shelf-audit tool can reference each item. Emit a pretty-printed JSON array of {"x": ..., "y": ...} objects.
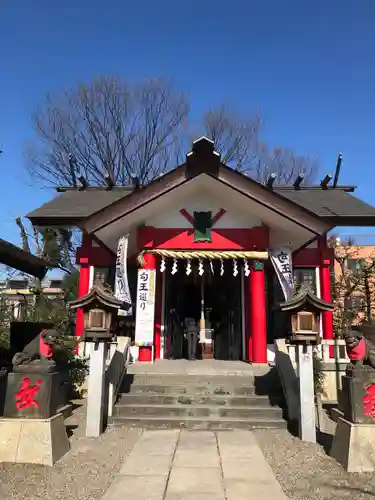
[
  {"x": 304, "y": 309},
  {"x": 100, "y": 309}
]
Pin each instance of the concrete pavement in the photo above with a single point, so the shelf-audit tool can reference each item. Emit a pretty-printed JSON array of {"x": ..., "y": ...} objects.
[{"x": 185, "y": 465}]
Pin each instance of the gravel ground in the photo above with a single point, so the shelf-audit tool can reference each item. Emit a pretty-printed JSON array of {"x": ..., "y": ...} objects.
[
  {"x": 306, "y": 472},
  {"x": 85, "y": 473}
]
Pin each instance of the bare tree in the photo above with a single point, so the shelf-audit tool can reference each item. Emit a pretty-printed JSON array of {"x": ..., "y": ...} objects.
[
  {"x": 285, "y": 164},
  {"x": 237, "y": 139},
  {"x": 106, "y": 130},
  {"x": 109, "y": 129}
]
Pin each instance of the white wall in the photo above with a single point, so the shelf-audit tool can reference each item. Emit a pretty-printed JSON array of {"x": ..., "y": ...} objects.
[{"x": 203, "y": 202}]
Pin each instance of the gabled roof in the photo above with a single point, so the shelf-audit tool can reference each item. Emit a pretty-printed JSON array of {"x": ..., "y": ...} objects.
[
  {"x": 305, "y": 297},
  {"x": 15, "y": 257},
  {"x": 72, "y": 206},
  {"x": 97, "y": 294},
  {"x": 333, "y": 205}
]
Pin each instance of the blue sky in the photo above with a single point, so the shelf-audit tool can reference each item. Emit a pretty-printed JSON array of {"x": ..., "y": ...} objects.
[{"x": 307, "y": 66}]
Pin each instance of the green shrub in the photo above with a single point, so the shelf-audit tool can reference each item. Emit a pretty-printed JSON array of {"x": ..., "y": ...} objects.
[
  {"x": 77, "y": 367},
  {"x": 319, "y": 375}
]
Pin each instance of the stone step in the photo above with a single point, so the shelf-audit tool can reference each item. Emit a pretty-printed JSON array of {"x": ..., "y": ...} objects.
[
  {"x": 182, "y": 379},
  {"x": 265, "y": 381},
  {"x": 187, "y": 411},
  {"x": 197, "y": 423},
  {"x": 200, "y": 399},
  {"x": 194, "y": 390}
]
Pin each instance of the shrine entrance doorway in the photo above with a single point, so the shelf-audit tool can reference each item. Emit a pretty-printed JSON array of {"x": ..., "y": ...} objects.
[{"x": 215, "y": 297}]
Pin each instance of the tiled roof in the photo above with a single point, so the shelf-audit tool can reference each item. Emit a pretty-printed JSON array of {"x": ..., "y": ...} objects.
[
  {"x": 78, "y": 204},
  {"x": 328, "y": 202}
]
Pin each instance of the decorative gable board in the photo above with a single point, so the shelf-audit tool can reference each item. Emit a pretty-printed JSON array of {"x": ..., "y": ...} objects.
[{"x": 203, "y": 202}]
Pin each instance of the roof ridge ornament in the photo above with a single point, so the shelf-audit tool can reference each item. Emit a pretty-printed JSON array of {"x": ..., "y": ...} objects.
[{"x": 202, "y": 159}]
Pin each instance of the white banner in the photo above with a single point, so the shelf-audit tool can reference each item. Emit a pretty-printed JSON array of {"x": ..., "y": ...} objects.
[
  {"x": 122, "y": 290},
  {"x": 281, "y": 259},
  {"x": 145, "y": 312}
]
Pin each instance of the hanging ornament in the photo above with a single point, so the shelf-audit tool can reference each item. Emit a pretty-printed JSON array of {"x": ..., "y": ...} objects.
[
  {"x": 221, "y": 267},
  {"x": 174, "y": 267},
  {"x": 235, "y": 267},
  {"x": 246, "y": 268},
  {"x": 212, "y": 267},
  {"x": 162, "y": 265},
  {"x": 188, "y": 267},
  {"x": 200, "y": 267}
]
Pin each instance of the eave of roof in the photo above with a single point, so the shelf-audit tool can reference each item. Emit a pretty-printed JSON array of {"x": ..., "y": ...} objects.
[{"x": 15, "y": 257}]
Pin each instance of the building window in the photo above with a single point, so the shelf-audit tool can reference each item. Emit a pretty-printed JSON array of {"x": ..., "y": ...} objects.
[
  {"x": 352, "y": 265},
  {"x": 305, "y": 276},
  {"x": 55, "y": 284},
  {"x": 18, "y": 284}
]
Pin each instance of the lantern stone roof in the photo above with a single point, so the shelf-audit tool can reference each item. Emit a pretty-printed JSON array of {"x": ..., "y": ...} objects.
[
  {"x": 99, "y": 295},
  {"x": 304, "y": 299}
]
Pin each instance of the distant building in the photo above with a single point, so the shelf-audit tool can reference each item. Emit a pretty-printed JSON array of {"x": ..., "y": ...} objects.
[
  {"x": 16, "y": 292},
  {"x": 359, "y": 253}
]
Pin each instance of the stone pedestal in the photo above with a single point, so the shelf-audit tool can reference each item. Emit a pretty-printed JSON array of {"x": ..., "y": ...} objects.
[
  {"x": 307, "y": 424},
  {"x": 354, "y": 442},
  {"x": 33, "y": 441},
  {"x": 358, "y": 396},
  {"x": 32, "y": 395},
  {"x": 96, "y": 386},
  {"x": 354, "y": 446}
]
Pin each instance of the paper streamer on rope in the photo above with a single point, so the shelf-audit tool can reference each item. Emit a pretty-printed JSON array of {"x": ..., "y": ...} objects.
[
  {"x": 221, "y": 267},
  {"x": 205, "y": 254},
  {"x": 212, "y": 267},
  {"x": 162, "y": 265},
  {"x": 235, "y": 267},
  {"x": 200, "y": 267},
  {"x": 188, "y": 267},
  {"x": 246, "y": 268},
  {"x": 174, "y": 267}
]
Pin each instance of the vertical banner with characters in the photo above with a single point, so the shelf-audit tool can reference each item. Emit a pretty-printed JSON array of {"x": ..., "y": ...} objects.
[
  {"x": 145, "y": 312},
  {"x": 122, "y": 290},
  {"x": 281, "y": 259}
]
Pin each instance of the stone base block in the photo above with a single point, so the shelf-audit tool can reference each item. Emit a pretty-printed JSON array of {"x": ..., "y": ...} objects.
[
  {"x": 354, "y": 446},
  {"x": 36, "y": 441}
]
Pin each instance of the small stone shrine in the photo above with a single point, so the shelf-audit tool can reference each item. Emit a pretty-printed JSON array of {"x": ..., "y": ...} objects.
[
  {"x": 354, "y": 442},
  {"x": 32, "y": 425}
]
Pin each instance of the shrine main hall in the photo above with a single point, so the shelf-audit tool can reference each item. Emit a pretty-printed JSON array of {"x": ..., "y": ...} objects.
[{"x": 206, "y": 244}]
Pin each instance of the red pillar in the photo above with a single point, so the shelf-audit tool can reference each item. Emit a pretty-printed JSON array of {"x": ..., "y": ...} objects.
[
  {"x": 145, "y": 353},
  {"x": 83, "y": 288},
  {"x": 258, "y": 342},
  {"x": 325, "y": 288}
]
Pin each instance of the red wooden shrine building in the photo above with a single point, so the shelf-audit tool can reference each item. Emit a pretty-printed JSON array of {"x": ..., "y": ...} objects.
[{"x": 206, "y": 230}]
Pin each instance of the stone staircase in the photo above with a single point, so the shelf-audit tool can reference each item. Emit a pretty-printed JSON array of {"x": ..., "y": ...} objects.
[{"x": 214, "y": 402}]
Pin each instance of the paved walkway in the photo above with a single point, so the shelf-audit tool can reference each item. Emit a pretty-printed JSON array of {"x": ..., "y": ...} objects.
[{"x": 184, "y": 465}]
